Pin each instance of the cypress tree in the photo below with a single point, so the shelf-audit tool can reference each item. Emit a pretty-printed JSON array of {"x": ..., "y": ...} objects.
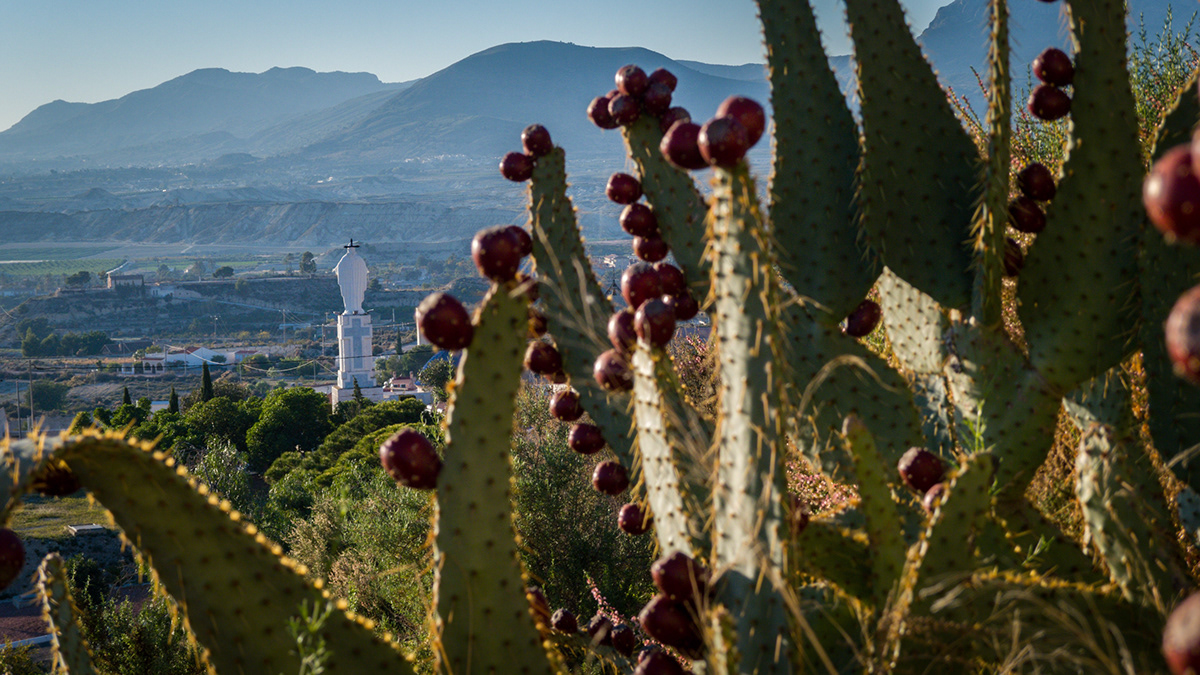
[
  {"x": 127, "y": 399},
  {"x": 206, "y": 388},
  {"x": 173, "y": 405},
  {"x": 358, "y": 395}
]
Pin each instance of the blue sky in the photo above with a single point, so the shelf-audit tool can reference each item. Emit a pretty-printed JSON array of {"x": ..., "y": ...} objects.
[{"x": 92, "y": 50}]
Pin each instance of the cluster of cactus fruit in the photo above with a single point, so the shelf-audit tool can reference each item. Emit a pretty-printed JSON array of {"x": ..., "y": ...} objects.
[{"x": 941, "y": 563}]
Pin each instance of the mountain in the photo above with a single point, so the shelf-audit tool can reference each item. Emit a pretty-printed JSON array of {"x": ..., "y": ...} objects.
[{"x": 210, "y": 107}]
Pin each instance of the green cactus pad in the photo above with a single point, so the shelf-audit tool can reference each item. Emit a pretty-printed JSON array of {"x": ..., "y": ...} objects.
[
  {"x": 236, "y": 591},
  {"x": 750, "y": 481},
  {"x": 833, "y": 554},
  {"x": 69, "y": 650},
  {"x": 813, "y": 214},
  {"x": 479, "y": 575},
  {"x": 576, "y": 307},
  {"x": 888, "y": 548},
  {"x": 1076, "y": 294},
  {"x": 988, "y": 302},
  {"x": 678, "y": 205},
  {"x": 919, "y": 168},
  {"x": 1165, "y": 272},
  {"x": 673, "y": 513}
]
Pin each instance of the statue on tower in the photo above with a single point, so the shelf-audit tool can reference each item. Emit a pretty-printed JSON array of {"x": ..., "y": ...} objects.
[{"x": 351, "y": 273}]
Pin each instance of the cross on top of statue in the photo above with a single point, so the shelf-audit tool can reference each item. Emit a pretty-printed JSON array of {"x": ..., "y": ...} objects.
[{"x": 351, "y": 244}]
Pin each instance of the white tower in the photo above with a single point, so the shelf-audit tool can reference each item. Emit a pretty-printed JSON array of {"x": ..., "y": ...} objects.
[{"x": 355, "y": 362}]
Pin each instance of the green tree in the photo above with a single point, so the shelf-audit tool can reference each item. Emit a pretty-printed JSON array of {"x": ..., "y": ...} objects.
[
  {"x": 414, "y": 359},
  {"x": 83, "y": 420},
  {"x": 129, "y": 415},
  {"x": 173, "y": 403},
  {"x": 206, "y": 385},
  {"x": 221, "y": 420},
  {"x": 49, "y": 395},
  {"x": 170, "y": 431},
  {"x": 223, "y": 272},
  {"x": 80, "y": 278},
  {"x": 307, "y": 264},
  {"x": 241, "y": 287},
  {"x": 126, "y": 399},
  {"x": 367, "y": 421},
  {"x": 291, "y": 419},
  {"x": 31, "y": 345},
  {"x": 437, "y": 374},
  {"x": 49, "y": 346},
  {"x": 223, "y": 468}
]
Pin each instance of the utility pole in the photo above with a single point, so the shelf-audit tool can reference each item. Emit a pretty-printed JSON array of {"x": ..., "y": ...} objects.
[{"x": 30, "y": 395}]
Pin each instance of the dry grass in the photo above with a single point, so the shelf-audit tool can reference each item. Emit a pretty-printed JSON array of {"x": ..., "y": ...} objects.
[{"x": 48, "y": 517}]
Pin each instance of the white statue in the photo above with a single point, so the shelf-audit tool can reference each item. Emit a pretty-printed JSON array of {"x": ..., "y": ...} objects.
[{"x": 351, "y": 273}]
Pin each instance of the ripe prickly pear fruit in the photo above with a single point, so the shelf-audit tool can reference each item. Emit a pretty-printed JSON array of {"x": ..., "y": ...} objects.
[
  {"x": 920, "y": 469},
  {"x": 497, "y": 252},
  {"x": 671, "y": 116},
  {"x": 631, "y": 80},
  {"x": 599, "y": 628},
  {"x": 621, "y": 332},
  {"x": 680, "y": 146},
  {"x": 639, "y": 220},
  {"x": 517, "y": 167},
  {"x": 652, "y": 248},
  {"x": 444, "y": 321},
  {"x": 670, "y": 279},
  {"x": 1049, "y": 103},
  {"x": 671, "y": 623},
  {"x": 1025, "y": 215},
  {"x": 564, "y": 621},
  {"x": 1053, "y": 66},
  {"x": 564, "y": 405},
  {"x": 586, "y": 439},
  {"x": 612, "y": 372},
  {"x": 610, "y": 478},
  {"x": 624, "y": 109},
  {"x": 536, "y": 141},
  {"x": 684, "y": 306},
  {"x": 723, "y": 142},
  {"x": 658, "y": 662},
  {"x": 657, "y": 99},
  {"x": 1171, "y": 195},
  {"x": 623, "y": 639},
  {"x": 679, "y": 576},
  {"x": 748, "y": 113},
  {"x": 665, "y": 77},
  {"x": 542, "y": 358},
  {"x": 538, "y": 605},
  {"x": 1182, "y": 333},
  {"x": 863, "y": 319},
  {"x": 409, "y": 458},
  {"x": 1181, "y": 637},
  {"x": 933, "y": 497},
  {"x": 537, "y": 322},
  {"x": 639, "y": 283},
  {"x": 597, "y": 112},
  {"x": 633, "y": 520},
  {"x": 623, "y": 188},
  {"x": 1036, "y": 182},
  {"x": 12, "y": 557},
  {"x": 654, "y": 322},
  {"x": 1014, "y": 258},
  {"x": 524, "y": 247}
]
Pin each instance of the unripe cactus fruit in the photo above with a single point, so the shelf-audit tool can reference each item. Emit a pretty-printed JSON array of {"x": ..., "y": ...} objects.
[
  {"x": 1182, "y": 333},
  {"x": 516, "y": 166},
  {"x": 1171, "y": 195},
  {"x": 623, "y": 639},
  {"x": 664, "y": 77},
  {"x": 564, "y": 405},
  {"x": 564, "y": 621},
  {"x": 1053, "y": 66},
  {"x": 633, "y": 520},
  {"x": 723, "y": 142},
  {"x": 654, "y": 322},
  {"x": 444, "y": 321},
  {"x": 410, "y": 459},
  {"x": 624, "y": 109},
  {"x": 536, "y": 140},
  {"x": 679, "y": 576},
  {"x": 1014, "y": 258},
  {"x": 671, "y": 116},
  {"x": 599, "y": 628},
  {"x": 621, "y": 332},
  {"x": 542, "y": 358},
  {"x": 863, "y": 319},
  {"x": 639, "y": 283},
  {"x": 631, "y": 80},
  {"x": 585, "y": 439},
  {"x": 623, "y": 188},
  {"x": 611, "y": 371},
  {"x": 1048, "y": 102},
  {"x": 1036, "y": 182},
  {"x": 749, "y": 114},
  {"x": 680, "y": 146},
  {"x": 497, "y": 253},
  {"x": 920, "y": 469},
  {"x": 651, "y": 249},
  {"x": 1181, "y": 637},
  {"x": 610, "y": 478},
  {"x": 12, "y": 557},
  {"x": 639, "y": 220},
  {"x": 597, "y": 112},
  {"x": 1025, "y": 215}
]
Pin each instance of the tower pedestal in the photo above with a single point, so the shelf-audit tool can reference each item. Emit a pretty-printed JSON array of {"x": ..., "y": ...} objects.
[{"x": 355, "y": 361}]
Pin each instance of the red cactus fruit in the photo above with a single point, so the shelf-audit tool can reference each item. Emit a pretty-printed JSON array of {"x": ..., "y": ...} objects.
[
  {"x": 665, "y": 77},
  {"x": 1048, "y": 102},
  {"x": 621, "y": 332},
  {"x": 685, "y": 306},
  {"x": 933, "y": 497},
  {"x": 1171, "y": 195},
  {"x": 585, "y": 439},
  {"x": 798, "y": 513},
  {"x": 1025, "y": 215},
  {"x": 631, "y": 80},
  {"x": 444, "y": 322},
  {"x": 610, "y": 478},
  {"x": 671, "y": 623},
  {"x": 1014, "y": 259},
  {"x": 497, "y": 253},
  {"x": 624, "y": 109},
  {"x": 680, "y": 146},
  {"x": 537, "y": 322},
  {"x": 920, "y": 469},
  {"x": 564, "y": 621},
  {"x": 863, "y": 319},
  {"x": 597, "y": 112},
  {"x": 1181, "y": 637},
  {"x": 748, "y": 113},
  {"x": 623, "y": 639},
  {"x": 658, "y": 662},
  {"x": 670, "y": 279},
  {"x": 632, "y": 519},
  {"x": 599, "y": 628},
  {"x": 56, "y": 479},
  {"x": 671, "y": 116},
  {"x": 524, "y": 245},
  {"x": 409, "y": 458},
  {"x": 516, "y": 166},
  {"x": 1053, "y": 66},
  {"x": 723, "y": 142},
  {"x": 623, "y": 188},
  {"x": 1036, "y": 182},
  {"x": 639, "y": 220},
  {"x": 639, "y": 283},
  {"x": 528, "y": 284},
  {"x": 542, "y": 358},
  {"x": 1182, "y": 333},
  {"x": 657, "y": 99},
  {"x": 12, "y": 557},
  {"x": 536, "y": 141},
  {"x": 651, "y": 249},
  {"x": 679, "y": 576},
  {"x": 538, "y": 605},
  {"x": 611, "y": 371},
  {"x": 558, "y": 378},
  {"x": 564, "y": 405},
  {"x": 654, "y": 322}
]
